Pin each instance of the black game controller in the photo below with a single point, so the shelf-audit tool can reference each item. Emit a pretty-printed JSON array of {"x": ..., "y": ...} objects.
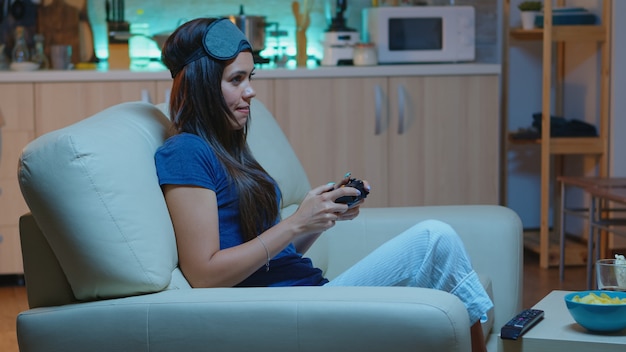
[{"x": 351, "y": 200}]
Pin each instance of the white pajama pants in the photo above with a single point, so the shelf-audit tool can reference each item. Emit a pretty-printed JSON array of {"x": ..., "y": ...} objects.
[{"x": 429, "y": 254}]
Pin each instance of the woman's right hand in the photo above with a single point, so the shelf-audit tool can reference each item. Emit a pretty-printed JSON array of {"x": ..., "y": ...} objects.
[{"x": 318, "y": 211}]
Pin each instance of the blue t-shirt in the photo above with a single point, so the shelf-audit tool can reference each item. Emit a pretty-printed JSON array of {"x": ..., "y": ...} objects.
[{"x": 186, "y": 159}]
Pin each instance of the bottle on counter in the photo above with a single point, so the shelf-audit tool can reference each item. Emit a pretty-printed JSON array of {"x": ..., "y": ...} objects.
[
  {"x": 364, "y": 54},
  {"x": 4, "y": 58},
  {"x": 39, "y": 57},
  {"x": 20, "y": 49}
]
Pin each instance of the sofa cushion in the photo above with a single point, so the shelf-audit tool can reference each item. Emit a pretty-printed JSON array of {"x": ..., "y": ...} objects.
[{"x": 93, "y": 191}]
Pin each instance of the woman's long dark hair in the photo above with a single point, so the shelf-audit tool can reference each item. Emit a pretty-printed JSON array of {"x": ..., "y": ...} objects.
[{"x": 197, "y": 106}]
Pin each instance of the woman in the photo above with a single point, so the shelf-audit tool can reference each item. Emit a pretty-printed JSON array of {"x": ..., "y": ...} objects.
[{"x": 225, "y": 207}]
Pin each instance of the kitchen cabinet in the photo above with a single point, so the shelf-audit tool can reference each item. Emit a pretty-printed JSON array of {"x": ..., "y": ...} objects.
[
  {"x": 263, "y": 87},
  {"x": 59, "y": 104},
  {"x": 444, "y": 140},
  {"x": 331, "y": 124},
  {"x": 32, "y": 109},
  {"x": 417, "y": 140},
  {"x": 163, "y": 90},
  {"x": 16, "y": 107},
  {"x": 446, "y": 153}
]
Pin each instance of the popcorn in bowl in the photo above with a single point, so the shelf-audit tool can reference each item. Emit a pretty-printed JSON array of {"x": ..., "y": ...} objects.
[{"x": 598, "y": 298}]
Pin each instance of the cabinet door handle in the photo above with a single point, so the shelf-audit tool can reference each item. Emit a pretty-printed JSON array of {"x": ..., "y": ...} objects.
[
  {"x": 401, "y": 108},
  {"x": 145, "y": 96},
  {"x": 167, "y": 94},
  {"x": 378, "y": 97}
]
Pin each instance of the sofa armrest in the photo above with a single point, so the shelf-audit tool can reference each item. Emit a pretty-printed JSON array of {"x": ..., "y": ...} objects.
[
  {"x": 491, "y": 234},
  {"x": 46, "y": 282},
  {"x": 276, "y": 319}
]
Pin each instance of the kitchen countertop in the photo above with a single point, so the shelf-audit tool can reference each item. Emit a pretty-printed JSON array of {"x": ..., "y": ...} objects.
[{"x": 261, "y": 73}]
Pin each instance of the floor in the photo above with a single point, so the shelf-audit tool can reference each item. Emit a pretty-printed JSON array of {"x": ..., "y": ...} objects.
[
  {"x": 12, "y": 301},
  {"x": 537, "y": 283}
]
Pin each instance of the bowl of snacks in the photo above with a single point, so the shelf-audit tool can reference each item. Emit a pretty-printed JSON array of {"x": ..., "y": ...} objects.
[{"x": 598, "y": 311}]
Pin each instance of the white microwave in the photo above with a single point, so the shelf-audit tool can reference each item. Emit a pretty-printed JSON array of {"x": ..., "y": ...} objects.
[{"x": 420, "y": 34}]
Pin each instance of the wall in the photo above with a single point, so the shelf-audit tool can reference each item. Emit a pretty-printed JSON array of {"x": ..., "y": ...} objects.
[{"x": 524, "y": 99}]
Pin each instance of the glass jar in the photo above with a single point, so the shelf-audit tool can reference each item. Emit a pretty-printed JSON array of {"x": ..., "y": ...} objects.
[
  {"x": 20, "y": 49},
  {"x": 364, "y": 54},
  {"x": 38, "y": 54},
  {"x": 139, "y": 45}
]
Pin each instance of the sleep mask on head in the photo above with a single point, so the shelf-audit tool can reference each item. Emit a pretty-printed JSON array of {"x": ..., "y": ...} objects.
[{"x": 222, "y": 41}]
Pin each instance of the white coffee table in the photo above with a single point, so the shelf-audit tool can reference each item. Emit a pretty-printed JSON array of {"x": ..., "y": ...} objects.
[{"x": 559, "y": 332}]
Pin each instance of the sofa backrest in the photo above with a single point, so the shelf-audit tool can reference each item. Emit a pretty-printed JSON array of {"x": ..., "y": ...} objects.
[{"x": 93, "y": 192}]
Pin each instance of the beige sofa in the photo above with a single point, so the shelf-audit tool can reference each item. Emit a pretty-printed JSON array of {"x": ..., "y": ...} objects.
[{"x": 101, "y": 270}]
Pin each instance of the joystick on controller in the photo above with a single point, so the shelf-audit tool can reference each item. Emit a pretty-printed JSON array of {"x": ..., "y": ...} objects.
[{"x": 351, "y": 200}]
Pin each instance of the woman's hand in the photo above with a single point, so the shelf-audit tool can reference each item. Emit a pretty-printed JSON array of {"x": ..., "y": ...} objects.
[
  {"x": 352, "y": 211},
  {"x": 353, "y": 208},
  {"x": 319, "y": 211}
]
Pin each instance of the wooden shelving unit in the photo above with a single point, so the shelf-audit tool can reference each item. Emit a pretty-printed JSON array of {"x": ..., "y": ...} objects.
[{"x": 594, "y": 149}]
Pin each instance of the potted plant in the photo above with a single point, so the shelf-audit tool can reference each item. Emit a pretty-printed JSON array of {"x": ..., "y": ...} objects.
[{"x": 529, "y": 10}]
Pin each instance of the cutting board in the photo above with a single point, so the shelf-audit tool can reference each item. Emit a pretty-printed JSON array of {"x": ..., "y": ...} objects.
[{"x": 60, "y": 23}]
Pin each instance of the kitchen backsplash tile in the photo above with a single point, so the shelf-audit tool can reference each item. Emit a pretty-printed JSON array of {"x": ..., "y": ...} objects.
[{"x": 166, "y": 15}]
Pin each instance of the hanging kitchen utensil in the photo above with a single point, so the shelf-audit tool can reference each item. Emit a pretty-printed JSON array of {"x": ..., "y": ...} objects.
[{"x": 18, "y": 9}]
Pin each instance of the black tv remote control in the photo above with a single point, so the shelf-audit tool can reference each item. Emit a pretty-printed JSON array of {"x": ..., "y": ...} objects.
[{"x": 521, "y": 323}]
